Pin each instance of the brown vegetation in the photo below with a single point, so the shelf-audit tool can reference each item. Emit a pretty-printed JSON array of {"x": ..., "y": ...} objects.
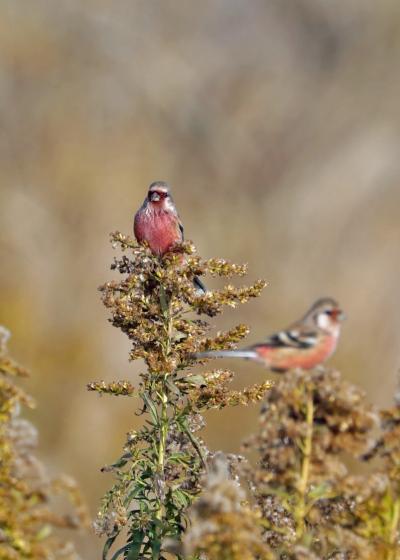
[
  {"x": 28, "y": 518},
  {"x": 158, "y": 475},
  {"x": 276, "y": 124}
]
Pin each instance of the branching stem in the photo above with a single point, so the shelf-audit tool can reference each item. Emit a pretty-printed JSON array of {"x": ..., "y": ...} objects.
[
  {"x": 393, "y": 531},
  {"x": 163, "y": 417},
  {"x": 162, "y": 444},
  {"x": 301, "y": 508}
]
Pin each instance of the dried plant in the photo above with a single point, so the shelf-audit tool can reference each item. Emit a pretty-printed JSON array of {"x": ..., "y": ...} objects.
[
  {"x": 158, "y": 308},
  {"x": 222, "y": 525},
  {"x": 312, "y": 427},
  {"x": 379, "y": 512},
  {"x": 326, "y": 485},
  {"x": 27, "y": 520}
]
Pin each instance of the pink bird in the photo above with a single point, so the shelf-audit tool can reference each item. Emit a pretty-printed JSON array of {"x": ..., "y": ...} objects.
[
  {"x": 157, "y": 222},
  {"x": 305, "y": 344}
]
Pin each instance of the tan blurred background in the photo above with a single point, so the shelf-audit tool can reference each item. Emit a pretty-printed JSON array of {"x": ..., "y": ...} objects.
[{"x": 277, "y": 123}]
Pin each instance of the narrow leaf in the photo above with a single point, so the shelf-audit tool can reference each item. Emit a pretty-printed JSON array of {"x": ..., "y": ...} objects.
[
  {"x": 135, "y": 546},
  {"x": 150, "y": 405},
  {"x": 195, "y": 380},
  {"x": 156, "y": 549},
  {"x": 108, "y": 545},
  {"x": 120, "y": 551}
]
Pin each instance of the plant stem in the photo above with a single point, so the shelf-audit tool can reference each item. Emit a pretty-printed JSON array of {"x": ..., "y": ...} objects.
[
  {"x": 162, "y": 444},
  {"x": 196, "y": 446},
  {"x": 305, "y": 467},
  {"x": 391, "y": 555},
  {"x": 163, "y": 418}
]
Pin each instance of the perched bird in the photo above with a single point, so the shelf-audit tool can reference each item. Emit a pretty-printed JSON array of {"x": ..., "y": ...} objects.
[
  {"x": 157, "y": 222},
  {"x": 305, "y": 344}
]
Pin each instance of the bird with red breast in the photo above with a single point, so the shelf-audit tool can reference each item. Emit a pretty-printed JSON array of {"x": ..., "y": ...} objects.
[
  {"x": 306, "y": 344},
  {"x": 157, "y": 222}
]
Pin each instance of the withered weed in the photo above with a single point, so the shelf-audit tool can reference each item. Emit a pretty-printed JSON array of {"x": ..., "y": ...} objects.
[
  {"x": 326, "y": 482},
  {"x": 159, "y": 474},
  {"x": 27, "y": 517},
  {"x": 317, "y": 497}
]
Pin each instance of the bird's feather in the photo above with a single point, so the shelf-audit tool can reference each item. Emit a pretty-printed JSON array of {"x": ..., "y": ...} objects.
[
  {"x": 293, "y": 338},
  {"x": 246, "y": 354},
  {"x": 182, "y": 230}
]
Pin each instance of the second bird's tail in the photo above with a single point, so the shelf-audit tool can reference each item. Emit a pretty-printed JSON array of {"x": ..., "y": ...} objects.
[{"x": 244, "y": 354}]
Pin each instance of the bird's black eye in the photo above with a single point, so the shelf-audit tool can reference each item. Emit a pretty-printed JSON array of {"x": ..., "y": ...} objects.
[
  {"x": 329, "y": 312},
  {"x": 156, "y": 196}
]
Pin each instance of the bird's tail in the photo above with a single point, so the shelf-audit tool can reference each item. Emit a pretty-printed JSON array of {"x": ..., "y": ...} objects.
[
  {"x": 198, "y": 284},
  {"x": 244, "y": 354}
]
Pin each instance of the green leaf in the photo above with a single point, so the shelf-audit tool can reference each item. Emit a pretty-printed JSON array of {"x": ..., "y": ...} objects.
[
  {"x": 135, "y": 546},
  {"x": 155, "y": 539},
  {"x": 319, "y": 491},
  {"x": 182, "y": 499},
  {"x": 108, "y": 545},
  {"x": 120, "y": 551},
  {"x": 44, "y": 532},
  {"x": 180, "y": 458},
  {"x": 134, "y": 494},
  {"x": 172, "y": 387},
  {"x": 194, "y": 380},
  {"x": 153, "y": 543},
  {"x": 156, "y": 549},
  {"x": 151, "y": 406},
  {"x": 194, "y": 442},
  {"x": 121, "y": 462}
]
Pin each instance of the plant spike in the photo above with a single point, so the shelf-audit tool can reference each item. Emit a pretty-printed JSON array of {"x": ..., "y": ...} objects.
[{"x": 159, "y": 473}]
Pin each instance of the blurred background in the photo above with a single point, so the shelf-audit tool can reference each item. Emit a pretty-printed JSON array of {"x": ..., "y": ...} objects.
[{"x": 276, "y": 122}]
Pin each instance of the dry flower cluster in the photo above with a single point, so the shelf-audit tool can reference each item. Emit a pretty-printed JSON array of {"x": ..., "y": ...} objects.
[
  {"x": 222, "y": 526},
  {"x": 159, "y": 473},
  {"x": 27, "y": 520},
  {"x": 306, "y": 502}
]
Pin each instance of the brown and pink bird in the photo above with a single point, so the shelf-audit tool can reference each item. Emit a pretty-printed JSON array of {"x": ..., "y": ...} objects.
[
  {"x": 157, "y": 222},
  {"x": 306, "y": 344}
]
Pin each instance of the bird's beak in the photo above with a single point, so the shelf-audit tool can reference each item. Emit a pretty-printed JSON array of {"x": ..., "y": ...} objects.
[
  {"x": 341, "y": 315},
  {"x": 338, "y": 315},
  {"x": 154, "y": 197}
]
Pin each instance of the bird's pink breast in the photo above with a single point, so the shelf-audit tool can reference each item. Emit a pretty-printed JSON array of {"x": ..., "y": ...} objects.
[{"x": 159, "y": 229}]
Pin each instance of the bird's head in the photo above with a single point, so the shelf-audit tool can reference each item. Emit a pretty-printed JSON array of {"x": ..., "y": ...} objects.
[
  {"x": 326, "y": 314},
  {"x": 159, "y": 196}
]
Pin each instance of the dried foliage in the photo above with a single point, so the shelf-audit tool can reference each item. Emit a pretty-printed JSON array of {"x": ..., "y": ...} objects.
[
  {"x": 222, "y": 526},
  {"x": 27, "y": 520},
  {"x": 312, "y": 427},
  {"x": 305, "y": 502},
  {"x": 157, "y": 306},
  {"x": 326, "y": 485}
]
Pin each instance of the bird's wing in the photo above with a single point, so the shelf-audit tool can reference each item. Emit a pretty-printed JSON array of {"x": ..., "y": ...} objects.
[
  {"x": 182, "y": 230},
  {"x": 293, "y": 338},
  {"x": 198, "y": 284}
]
